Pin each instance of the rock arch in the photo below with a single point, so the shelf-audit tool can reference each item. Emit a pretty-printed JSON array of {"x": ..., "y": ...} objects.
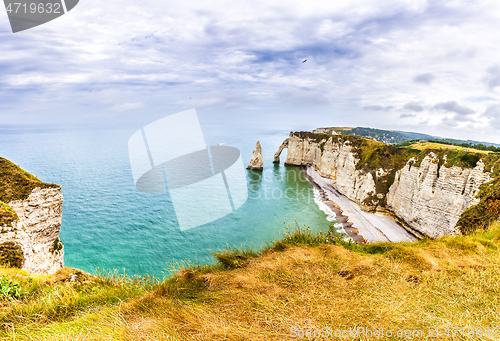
[{"x": 280, "y": 149}]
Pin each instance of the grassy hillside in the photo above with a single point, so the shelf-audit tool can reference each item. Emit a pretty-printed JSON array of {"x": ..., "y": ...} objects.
[
  {"x": 385, "y": 136},
  {"x": 300, "y": 283},
  {"x": 15, "y": 184},
  {"x": 397, "y": 137},
  {"x": 434, "y": 145}
]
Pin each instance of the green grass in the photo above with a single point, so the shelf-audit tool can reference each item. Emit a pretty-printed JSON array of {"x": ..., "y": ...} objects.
[
  {"x": 11, "y": 255},
  {"x": 17, "y": 184},
  {"x": 486, "y": 212},
  {"x": 69, "y": 293},
  {"x": 7, "y": 214}
]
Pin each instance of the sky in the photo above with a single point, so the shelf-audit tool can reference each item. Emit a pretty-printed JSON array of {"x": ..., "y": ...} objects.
[{"x": 423, "y": 66}]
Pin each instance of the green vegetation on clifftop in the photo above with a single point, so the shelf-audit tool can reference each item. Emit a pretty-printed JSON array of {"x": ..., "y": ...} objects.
[
  {"x": 15, "y": 184},
  {"x": 488, "y": 210},
  {"x": 7, "y": 214}
]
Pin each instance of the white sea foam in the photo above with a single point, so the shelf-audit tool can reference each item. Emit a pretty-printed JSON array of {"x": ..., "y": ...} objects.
[{"x": 330, "y": 215}]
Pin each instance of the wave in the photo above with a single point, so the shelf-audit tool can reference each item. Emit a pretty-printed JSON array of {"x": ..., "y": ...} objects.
[{"x": 330, "y": 215}]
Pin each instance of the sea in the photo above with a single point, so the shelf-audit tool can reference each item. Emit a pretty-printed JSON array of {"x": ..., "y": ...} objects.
[{"x": 108, "y": 225}]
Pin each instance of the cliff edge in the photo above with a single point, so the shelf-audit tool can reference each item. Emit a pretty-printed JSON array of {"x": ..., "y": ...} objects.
[
  {"x": 30, "y": 221},
  {"x": 434, "y": 192}
]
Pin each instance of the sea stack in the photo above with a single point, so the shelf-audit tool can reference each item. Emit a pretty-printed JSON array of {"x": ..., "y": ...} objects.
[{"x": 257, "y": 162}]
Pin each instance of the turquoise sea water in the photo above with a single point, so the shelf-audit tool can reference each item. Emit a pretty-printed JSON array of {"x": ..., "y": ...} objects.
[{"x": 108, "y": 224}]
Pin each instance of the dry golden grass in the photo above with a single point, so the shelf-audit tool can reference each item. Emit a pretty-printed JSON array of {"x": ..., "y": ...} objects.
[
  {"x": 432, "y": 145},
  {"x": 329, "y": 286},
  {"x": 450, "y": 282}
]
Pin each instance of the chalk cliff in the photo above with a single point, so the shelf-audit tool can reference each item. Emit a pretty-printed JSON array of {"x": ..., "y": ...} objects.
[
  {"x": 30, "y": 222},
  {"x": 421, "y": 189},
  {"x": 431, "y": 198},
  {"x": 256, "y": 162},
  {"x": 333, "y": 159}
]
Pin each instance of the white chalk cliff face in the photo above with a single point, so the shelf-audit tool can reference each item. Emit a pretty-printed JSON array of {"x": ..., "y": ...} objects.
[
  {"x": 37, "y": 231},
  {"x": 431, "y": 199},
  {"x": 427, "y": 199},
  {"x": 337, "y": 161}
]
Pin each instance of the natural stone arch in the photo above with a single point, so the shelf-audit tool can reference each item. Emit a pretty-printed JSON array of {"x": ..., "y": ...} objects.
[{"x": 280, "y": 149}]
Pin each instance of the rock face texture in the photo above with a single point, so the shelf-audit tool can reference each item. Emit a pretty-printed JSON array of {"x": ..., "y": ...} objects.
[
  {"x": 256, "y": 162},
  {"x": 429, "y": 198},
  {"x": 36, "y": 232},
  {"x": 336, "y": 161}
]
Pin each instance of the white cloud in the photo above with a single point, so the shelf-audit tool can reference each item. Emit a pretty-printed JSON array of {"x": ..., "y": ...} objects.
[
  {"x": 424, "y": 78},
  {"x": 384, "y": 56},
  {"x": 492, "y": 113},
  {"x": 377, "y": 107},
  {"x": 301, "y": 97},
  {"x": 127, "y": 106},
  {"x": 407, "y": 115},
  {"x": 413, "y": 106},
  {"x": 453, "y": 106},
  {"x": 492, "y": 77}
]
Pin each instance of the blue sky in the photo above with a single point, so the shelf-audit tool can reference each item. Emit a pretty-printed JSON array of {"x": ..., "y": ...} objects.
[{"x": 425, "y": 66}]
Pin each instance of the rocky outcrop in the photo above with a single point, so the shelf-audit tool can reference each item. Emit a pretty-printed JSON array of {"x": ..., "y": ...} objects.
[
  {"x": 36, "y": 231},
  {"x": 256, "y": 162},
  {"x": 335, "y": 160},
  {"x": 280, "y": 149},
  {"x": 429, "y": 198},
  {"x": 325, "y": 131}
]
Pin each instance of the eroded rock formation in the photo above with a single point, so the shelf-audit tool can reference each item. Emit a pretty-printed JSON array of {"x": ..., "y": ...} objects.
[
  {"x": 429, "y": 198},
  {"x": 280, "y": 149},
  {"x": 256, "y": 162},
  {"x": 336, "y": 161},
  {"x": 30, "y": 221},
  {"x": 36, "y": 232}
]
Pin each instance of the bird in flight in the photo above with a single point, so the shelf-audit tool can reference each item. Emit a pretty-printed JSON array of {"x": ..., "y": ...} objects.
[{"x": 305, "y": 60}]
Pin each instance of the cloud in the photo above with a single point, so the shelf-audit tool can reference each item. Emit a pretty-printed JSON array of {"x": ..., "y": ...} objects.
[
  {"x": 413, "y": 106},
  {"x": 127, "y": 106},
  {"x": 162, "y": 53},
  {"x": 301, "y": 97},
  {"x": 492, "y": 77},
  {"x": 377, "y": 108},
  {"x": 449, "y": 122},
  {"x": 492, "y": 113},
  {"x": 461, "y": 114},
  {"x": 218, "y": 99},
  {"x": 407, "y": 115},
  {"x": 454, "y": 107},
  {"x": 424, "y": 78}
]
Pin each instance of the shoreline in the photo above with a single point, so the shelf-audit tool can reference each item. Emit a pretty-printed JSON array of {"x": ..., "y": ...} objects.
[{"x": 361, "y": 226}]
